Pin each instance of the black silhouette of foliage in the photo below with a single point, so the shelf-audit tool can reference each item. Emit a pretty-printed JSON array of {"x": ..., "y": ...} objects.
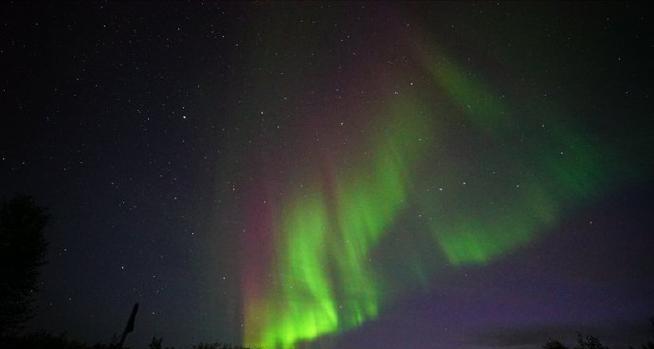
[
  {"x": 583, "y": 342},
  {"x": 155, "y": 343},
  {"x": 22, "y": 252},
  {"x": 588, "y": 342},
  {"x": 554, "y": 344},
  {"x": 44, "y": 340},
  {"x": 217, "y": 346}
]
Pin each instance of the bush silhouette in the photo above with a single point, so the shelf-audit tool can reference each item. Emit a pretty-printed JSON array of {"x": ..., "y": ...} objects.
[{"x": 554, "y": 344}]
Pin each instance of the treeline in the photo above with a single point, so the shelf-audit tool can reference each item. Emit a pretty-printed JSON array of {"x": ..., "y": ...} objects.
[
  {"x": 591, "y": 342},
  {"x": 588, "y": 342},
  {"x": 43, "y": 340}
]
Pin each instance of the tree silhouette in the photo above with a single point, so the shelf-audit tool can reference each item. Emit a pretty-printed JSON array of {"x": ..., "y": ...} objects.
[
  {"x": 554, "y": 344},
  {"x": 22, "y": 252},
  {"x": 155, "y": 343},
  {"x": 588, "y": 342}
]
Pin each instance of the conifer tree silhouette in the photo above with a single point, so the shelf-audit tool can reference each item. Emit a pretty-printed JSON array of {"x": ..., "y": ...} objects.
[{"x": 22, "y": 252}]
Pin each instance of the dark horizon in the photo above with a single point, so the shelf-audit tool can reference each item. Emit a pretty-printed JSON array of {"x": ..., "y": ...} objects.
[{"x": 336, "y": 175}]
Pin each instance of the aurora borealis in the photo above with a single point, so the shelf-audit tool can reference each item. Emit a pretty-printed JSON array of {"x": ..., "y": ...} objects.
[
  {"x": 327, "y": 234},
  {"x": 336, "y": 175},
  {"x": 321, "y": 277}
]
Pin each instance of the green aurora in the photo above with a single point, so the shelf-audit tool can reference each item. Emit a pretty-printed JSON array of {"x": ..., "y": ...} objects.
[{"x": 328, "y": 231}]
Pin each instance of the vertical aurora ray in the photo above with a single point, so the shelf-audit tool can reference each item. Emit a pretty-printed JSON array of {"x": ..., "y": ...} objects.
[
  {"x": 368, "y": 200},
  {"x": 303, "y": 307},
  {"x": 325, "y": 277}
]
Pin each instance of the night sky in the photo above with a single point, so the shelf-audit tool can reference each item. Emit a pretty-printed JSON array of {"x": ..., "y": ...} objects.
[{"x": 336, "y": 175}]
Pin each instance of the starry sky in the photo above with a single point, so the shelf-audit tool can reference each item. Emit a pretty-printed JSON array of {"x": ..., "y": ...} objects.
[{"x": 336, "y": 175}]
